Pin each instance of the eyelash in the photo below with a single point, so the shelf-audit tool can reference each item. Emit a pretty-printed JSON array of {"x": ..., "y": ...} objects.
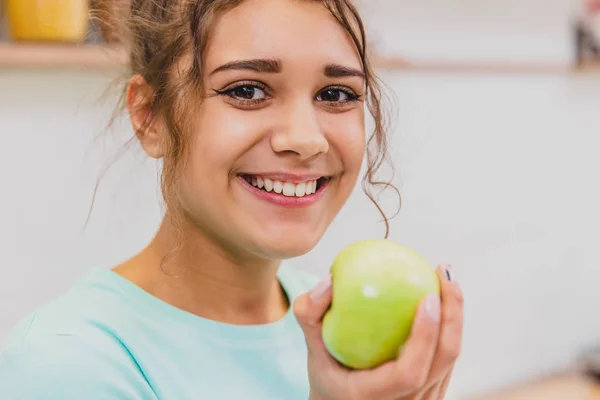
[
  {"x": 229, "y": 92},
  {"x": 352, "y": 96}
]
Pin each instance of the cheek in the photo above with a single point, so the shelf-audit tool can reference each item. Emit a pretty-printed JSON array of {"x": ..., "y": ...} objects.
[
  {"x": 347, "y": 135},
  {"x": 220, "y": 136}
]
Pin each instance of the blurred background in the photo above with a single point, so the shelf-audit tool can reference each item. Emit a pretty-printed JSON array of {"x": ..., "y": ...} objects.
[{"x": 495, "y": 143}]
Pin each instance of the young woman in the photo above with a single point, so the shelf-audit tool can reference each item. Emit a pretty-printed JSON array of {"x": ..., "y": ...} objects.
[{"x": 257, "y": 110}]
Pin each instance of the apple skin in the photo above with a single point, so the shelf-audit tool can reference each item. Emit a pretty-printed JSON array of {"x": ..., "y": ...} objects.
[{"x": 377, "y": 288}]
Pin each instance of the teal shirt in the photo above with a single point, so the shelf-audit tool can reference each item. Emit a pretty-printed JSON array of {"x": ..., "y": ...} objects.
[{"x": 106, "y": 338}]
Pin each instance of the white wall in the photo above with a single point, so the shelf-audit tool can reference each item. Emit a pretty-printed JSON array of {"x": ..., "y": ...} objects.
[
  {"x": 49, "y": 122},
  {"x": 498, "y": 173},
  {"x": 534, "y": 31}
]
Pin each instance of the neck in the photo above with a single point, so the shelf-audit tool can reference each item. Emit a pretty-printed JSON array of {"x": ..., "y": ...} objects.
[{"x": 200, "y": 276}]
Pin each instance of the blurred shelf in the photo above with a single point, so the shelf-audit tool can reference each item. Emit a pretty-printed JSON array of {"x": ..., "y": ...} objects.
[
  {"x": 34, "y": 55},
  {"x": 483, "y": 68},
  {"x": 98, "y": 56}
]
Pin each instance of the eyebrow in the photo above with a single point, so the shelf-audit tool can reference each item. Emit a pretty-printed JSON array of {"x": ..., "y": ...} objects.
[
  {"x": 273, "y": 66},
  {"x": 259, "y": 65},
  {"x": 340, "y": 71}
]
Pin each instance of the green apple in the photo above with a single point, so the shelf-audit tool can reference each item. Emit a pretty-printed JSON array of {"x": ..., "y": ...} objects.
[{"x": 377, "y": 288}]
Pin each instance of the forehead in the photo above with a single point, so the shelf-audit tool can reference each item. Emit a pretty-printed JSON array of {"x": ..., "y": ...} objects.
[{"x": 290, "y": 30}]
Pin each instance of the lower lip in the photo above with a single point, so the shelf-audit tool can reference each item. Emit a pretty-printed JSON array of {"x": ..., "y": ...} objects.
[{"x": 285, "y": 201}]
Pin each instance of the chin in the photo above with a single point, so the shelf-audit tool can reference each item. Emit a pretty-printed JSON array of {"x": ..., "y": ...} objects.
[{"x": 283, "y": 247}]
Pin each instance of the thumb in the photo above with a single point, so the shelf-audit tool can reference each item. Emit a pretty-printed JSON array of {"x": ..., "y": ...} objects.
[{"x": 309, "y": 310}]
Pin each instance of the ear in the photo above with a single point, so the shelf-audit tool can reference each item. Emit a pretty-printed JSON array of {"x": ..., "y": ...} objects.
[{"x": 147, "y": 128}]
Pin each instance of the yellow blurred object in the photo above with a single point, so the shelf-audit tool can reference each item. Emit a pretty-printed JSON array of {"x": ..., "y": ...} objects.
[{"x": 48, "y": 20}]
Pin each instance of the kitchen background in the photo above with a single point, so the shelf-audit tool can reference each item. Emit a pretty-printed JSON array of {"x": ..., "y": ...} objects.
[{"x": 496, "y": 149}]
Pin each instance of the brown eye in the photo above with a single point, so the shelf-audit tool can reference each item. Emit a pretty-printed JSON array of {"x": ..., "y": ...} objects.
[
  {"x": 336, "y": 95},
  {"x": 332, "y": 95},
  {"x": 247, "y": 92}
]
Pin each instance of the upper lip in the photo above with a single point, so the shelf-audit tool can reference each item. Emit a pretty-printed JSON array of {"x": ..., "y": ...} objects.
[{"x": 286, "y": 177}]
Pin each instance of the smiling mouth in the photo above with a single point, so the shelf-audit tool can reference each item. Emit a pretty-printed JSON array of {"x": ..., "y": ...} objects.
[{"x": 287, "y": 189}]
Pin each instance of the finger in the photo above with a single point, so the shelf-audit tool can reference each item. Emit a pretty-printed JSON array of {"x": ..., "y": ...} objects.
[
  {"x": 444, "y": 386},
  {"x": 414, "y": 362},
  {"x": 309, "y": 310},
  {"x": 450, "y": 340},
  {"x": 407, "y": 374},
  {"x": 438, "y": 391}
]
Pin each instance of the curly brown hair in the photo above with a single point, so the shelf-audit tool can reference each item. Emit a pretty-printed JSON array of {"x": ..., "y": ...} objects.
[{"x": 158, "y": 34}]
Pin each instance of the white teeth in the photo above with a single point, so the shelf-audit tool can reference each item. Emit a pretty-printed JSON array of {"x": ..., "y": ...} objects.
[
  {"x": 268, "y": 184},
  {"x": 301, "y": 189},
  {"x": 288, "y": 189},
  {"x": 310, "y": 187}
]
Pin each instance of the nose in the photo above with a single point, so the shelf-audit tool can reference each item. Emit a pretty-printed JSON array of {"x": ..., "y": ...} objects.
[{"x": 301, "y": 133}]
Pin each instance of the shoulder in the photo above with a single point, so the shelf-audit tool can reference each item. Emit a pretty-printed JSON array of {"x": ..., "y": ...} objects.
[
  {"x": 82, "y": 311},
  {"x": 66, "y": 349},
  {"x": 68, "y": 367}
]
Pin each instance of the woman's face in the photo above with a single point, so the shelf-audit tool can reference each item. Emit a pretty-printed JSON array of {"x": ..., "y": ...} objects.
[{"x": 278, "y": 142}]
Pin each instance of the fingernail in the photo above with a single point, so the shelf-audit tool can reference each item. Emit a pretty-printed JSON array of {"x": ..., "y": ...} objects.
[
  {"x": 322, "y": 288},
  {"x": 448, "y": 272},
  {"x": 433, "y": 307}
]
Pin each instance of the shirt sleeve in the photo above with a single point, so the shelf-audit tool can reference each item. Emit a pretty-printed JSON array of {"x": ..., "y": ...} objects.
[{"x": 57, "y": 367}]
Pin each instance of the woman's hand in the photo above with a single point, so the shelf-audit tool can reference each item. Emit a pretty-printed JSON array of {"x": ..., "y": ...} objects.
[{"x": 423, "y": 368}]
